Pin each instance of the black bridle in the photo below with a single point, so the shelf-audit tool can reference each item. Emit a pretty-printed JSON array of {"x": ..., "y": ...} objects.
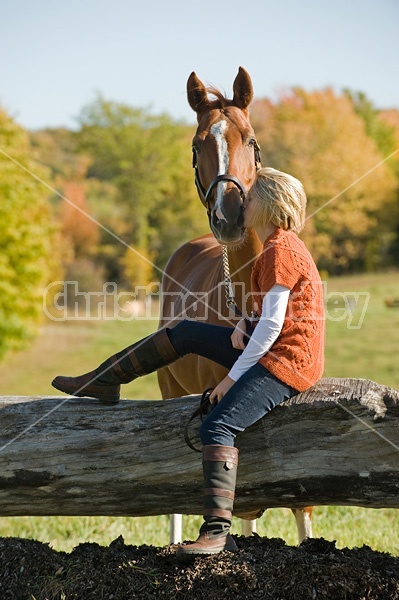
[
  {"x": 204, "y": 193},
  {"x": 204, "y": 196}
]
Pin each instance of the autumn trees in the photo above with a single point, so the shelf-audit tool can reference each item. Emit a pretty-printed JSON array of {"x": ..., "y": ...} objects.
[
  {"x": 147, "y": 161},
  {"x": 336, "y": 148},
  {"x": 131, "y": 172},
  {"x": 27, "y": 257},
  {"x": 124, "y": 196}
]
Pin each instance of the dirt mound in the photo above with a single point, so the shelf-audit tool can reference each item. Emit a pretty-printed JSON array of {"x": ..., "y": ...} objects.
[{"x": 263, "y": 569}]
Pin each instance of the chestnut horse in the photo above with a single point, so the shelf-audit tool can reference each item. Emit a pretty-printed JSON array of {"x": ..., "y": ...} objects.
[{"x": 226, "y": 157}]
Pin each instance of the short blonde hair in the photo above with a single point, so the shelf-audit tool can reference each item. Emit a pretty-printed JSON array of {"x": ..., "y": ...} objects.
[{"x": 281, "y": 200}]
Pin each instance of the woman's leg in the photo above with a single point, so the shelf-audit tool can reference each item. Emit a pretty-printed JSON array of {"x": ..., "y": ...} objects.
[
  {"x": 219, "y": 465},
  {"x": 255, "y": 394},
  {"x": 145, "y": 356},
  {"x": 204, "y": 339},
  {"x": 150, "y": 354},
  {"x": 251, "y": 397}
]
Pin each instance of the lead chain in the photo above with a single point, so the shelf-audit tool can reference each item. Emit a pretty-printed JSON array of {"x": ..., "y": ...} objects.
[
  {"x": 228, "y": 284},
  {"x": 228, "y": 287}
]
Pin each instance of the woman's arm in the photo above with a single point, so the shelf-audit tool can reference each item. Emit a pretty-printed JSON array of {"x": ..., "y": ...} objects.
[{"x": 266, "y": 332}]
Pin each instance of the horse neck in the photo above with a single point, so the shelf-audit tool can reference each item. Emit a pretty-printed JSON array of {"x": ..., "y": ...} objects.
[{"x": 241, "y": 261}]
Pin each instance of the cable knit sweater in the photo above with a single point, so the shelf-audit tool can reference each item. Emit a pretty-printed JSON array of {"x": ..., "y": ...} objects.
[{"x": 297, "y": 356}]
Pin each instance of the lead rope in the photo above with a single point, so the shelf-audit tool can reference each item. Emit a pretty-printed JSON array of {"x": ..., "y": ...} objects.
[{"x": 228, "y": 284}]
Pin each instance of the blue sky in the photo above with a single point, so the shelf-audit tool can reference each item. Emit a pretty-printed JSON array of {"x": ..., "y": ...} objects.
[{"x": 55, "y": 56}]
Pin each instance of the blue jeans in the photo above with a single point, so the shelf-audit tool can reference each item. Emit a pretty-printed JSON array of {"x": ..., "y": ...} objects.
[{"x": 248, "y": 400}]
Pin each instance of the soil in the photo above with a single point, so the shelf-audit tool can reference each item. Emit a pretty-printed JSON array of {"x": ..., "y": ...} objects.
[{"x": 265, "y": 569}]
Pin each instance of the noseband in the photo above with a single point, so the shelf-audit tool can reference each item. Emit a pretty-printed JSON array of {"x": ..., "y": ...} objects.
[
  {"x": 225, "y": 177},
  {"x": 204, "y": 193}
]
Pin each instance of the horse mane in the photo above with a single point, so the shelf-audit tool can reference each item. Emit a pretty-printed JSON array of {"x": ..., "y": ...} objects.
[{"x": 220, "y": 101}]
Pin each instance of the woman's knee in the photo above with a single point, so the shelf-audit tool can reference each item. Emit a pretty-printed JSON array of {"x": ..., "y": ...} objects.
[
  {"x": 178, "y": 336},
  {"x": 211, "y": 432},
  {"x": 180, "y": 327}
]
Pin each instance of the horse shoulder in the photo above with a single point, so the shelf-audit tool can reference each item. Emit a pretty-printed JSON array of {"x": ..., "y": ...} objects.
[{"x": 201, "y": 254}]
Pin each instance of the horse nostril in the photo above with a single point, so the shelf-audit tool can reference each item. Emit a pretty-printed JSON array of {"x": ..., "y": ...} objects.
[
  {"x": 215, "y": 220},
  {"x": 222, "y": 225}
]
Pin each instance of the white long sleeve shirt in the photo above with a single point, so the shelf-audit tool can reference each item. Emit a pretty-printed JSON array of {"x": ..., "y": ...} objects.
[{"x": 274, "y": 308}]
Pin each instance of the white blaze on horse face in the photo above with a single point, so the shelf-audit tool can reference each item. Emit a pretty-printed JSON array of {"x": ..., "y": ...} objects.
[{"x": 217, "y": 130}]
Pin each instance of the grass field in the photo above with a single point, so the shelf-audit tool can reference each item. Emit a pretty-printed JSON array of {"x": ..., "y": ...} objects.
[{"x": 362, "y": 342}]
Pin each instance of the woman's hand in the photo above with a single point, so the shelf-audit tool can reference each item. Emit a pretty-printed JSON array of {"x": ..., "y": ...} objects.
[
  {"x": 221, "y": 390},
  {"x": 237, "y": 337}
]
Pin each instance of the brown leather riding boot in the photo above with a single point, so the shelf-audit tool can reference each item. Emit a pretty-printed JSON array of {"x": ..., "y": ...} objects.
[
  {"x": 143, "y": 357},
  {"x": 220, "y": 474}
]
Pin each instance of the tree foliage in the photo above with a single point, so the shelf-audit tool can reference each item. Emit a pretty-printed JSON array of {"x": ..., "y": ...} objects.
[
  {"x": 130, "y": 199},
  {"x": 146, "y": 158},
  {"x": 77, "y": 227},
  {"x": 27, "y": 255},
  {"x": 319, "y": 138},
  {"x": 376, "y": 128}
]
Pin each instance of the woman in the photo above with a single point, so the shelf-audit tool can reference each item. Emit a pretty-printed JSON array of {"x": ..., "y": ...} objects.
[{"x": 283, "y": 356}]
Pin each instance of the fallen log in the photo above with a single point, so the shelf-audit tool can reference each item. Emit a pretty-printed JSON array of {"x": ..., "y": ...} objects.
[{"x": 337, "y": 443}]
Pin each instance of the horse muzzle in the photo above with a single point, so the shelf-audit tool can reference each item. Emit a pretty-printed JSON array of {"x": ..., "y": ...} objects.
[
  {"x": 226, "y": 217},
  {"x": 228, "y": 229}
]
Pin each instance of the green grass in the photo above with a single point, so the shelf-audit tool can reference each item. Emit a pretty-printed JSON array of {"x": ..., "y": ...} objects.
[
  {"x": 349, "y": 526},
  {"x": 369, "y": 351}
]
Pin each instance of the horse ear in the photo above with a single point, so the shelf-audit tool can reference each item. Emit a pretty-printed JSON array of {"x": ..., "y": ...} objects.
[
  {"x": 196, "y": 93},
  {"x": 243, "y": 91}
]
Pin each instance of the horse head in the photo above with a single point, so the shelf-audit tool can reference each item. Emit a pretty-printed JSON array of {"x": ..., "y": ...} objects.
[{"x": 226, "y": 154}]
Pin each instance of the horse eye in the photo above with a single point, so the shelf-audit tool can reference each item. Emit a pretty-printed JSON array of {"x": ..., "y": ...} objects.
[
  {"x": 196, "y": 148},
  {"x": 251, "y": 142}
]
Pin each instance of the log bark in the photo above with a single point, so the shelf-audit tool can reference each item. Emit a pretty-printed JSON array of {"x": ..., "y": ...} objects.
[{"x": 337, "y": 443}]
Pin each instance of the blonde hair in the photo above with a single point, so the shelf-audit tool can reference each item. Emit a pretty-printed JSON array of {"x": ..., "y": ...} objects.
[{"x": 281, "y": 200}]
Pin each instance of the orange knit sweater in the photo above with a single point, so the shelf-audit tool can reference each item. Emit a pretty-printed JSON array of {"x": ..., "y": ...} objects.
[{"x": 297, "y": 356}]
